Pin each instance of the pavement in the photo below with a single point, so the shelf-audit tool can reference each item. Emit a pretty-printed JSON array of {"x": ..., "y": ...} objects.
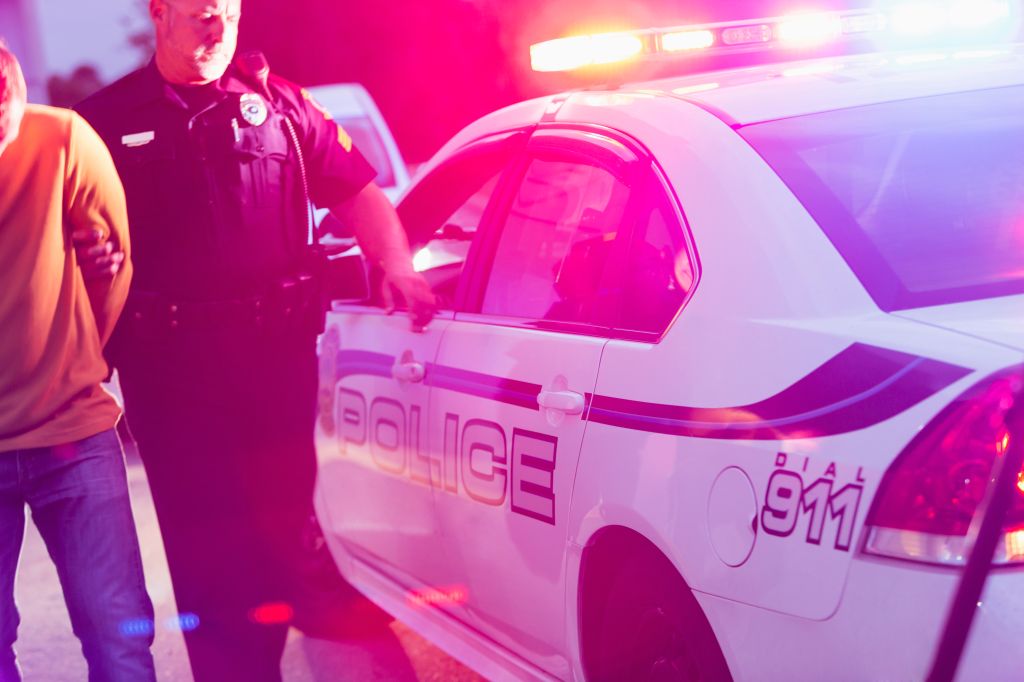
[{"x": 49, "y": 652}]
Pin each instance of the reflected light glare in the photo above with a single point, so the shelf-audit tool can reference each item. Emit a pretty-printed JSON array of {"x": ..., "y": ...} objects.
[
  {"x": 919, "y": 18},
  {"x": 811, "y": 70},
  {"x": 810, "y": 29},
  {"x": 607, "y": 100},
  {"x": 1015, "y": 545},
  {"x": 1020, "y": 482},
  {"x": 137, "y": 627},
  {"x": 691, "y": 89},
  {"x": 438, "y": 596},
  {"x": 687, "y": 40},
  {"x": 977, "y": 13},
  {"x": 275, "y": 613},
  {"x": 422, "y": 260},
  {"x": 922, "y": 58},
  {"x": 1004, "y": 443},
  {"x": 185, "y": 622},
  {"x": 980, "y": 54}
]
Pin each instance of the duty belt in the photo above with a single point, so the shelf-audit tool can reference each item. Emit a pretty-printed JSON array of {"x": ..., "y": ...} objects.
[{"x": 289, "y": 302}]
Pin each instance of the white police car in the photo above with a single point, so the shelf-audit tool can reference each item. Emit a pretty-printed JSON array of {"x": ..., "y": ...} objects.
[{"x": 722, "y": 372}]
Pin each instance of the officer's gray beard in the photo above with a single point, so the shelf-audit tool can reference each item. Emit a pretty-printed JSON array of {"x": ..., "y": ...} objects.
[{"x": 212, "y": 65}]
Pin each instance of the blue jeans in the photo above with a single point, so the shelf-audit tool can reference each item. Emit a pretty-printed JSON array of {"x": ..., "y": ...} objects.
[{"x": 78, "y": 494}]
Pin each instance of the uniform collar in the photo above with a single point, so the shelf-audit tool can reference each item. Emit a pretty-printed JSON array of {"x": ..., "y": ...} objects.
[
  {"x": 156, "y": 88},
  {"x": 233, "y": 82}
]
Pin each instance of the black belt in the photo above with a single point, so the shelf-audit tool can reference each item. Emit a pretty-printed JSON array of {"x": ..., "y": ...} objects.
[{"x": 290, "y": 301}]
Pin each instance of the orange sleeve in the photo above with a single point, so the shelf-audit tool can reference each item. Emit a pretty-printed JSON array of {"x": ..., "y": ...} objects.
[{"x": 95, "y": 199}]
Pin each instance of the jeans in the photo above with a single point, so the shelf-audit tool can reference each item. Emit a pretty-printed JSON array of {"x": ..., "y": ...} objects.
[{"x": 78, "y": 495}]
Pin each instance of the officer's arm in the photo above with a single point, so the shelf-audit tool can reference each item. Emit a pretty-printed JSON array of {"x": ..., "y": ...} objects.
[
  {"x": 379, "y": 231},
  {"x": 96, "y": 206}
]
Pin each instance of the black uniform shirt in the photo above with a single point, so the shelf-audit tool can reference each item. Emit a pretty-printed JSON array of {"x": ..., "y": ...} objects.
[{"x": 215, "y": 198}]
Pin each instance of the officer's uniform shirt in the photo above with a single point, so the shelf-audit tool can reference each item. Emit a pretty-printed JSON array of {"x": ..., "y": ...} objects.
[{"x": 215, "y": 197}]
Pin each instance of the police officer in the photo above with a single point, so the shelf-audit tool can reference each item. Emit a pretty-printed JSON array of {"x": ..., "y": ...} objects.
[{"x": 216, "y": 349}]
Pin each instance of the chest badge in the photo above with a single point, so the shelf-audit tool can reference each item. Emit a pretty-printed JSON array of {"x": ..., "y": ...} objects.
[{"x": 254, "y": 109}]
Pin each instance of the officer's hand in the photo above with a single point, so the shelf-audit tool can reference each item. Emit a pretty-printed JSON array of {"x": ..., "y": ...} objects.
[
  {"x": 96, "y": 258},
  {"x": 412, "y": 288}
]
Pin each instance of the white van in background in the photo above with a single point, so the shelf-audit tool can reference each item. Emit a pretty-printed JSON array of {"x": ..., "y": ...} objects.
[{"x": 354, "y": 110}]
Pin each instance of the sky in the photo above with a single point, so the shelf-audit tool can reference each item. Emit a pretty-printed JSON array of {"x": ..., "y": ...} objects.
[{"x": 75, "y": 32}]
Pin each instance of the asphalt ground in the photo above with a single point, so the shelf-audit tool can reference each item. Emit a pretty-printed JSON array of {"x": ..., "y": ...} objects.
[{"x": 384, "y": 649}]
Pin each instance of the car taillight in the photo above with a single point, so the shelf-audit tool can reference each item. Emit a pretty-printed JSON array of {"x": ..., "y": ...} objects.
[{"x": 929, "y": 496}]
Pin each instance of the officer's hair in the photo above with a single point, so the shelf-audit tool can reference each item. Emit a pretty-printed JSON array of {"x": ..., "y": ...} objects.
[{"x": 12, "y": 89}]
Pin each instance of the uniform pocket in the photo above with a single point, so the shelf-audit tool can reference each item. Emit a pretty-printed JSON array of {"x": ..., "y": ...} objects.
[
  {"x": 147, "y": 172},
  {"x": 263, "y": 153}
]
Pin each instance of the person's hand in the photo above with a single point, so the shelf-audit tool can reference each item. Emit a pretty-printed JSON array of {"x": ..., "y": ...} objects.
[
  {"x": 96, "y": 257},
  {"x": 410, "y": 287}
]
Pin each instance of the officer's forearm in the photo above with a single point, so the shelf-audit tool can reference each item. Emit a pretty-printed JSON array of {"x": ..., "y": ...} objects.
[{"x": 377, "y": 228}]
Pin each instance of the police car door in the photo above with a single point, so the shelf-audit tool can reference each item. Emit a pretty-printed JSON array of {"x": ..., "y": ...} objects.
[
  {"x": 511, "y": 382},
  {"x": 375, "y": 375}
]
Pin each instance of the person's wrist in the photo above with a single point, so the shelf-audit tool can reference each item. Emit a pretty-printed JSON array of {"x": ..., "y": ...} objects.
[{"x": 397, "y": 263}]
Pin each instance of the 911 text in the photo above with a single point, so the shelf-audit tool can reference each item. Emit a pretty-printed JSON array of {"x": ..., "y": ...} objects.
[{"x": 788, "y": 499}]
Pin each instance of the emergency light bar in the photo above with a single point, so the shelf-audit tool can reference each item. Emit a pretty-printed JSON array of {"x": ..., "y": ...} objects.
[{"x": 957, "y": 18}]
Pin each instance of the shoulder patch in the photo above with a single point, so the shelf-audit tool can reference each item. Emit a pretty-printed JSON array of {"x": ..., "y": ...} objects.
[
  {"x": 316, "y": 105},
  {"x": 344, "y": 139}
]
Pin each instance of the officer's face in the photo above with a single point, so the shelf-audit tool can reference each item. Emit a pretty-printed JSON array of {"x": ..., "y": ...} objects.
[{"x": 195, "y": 39}]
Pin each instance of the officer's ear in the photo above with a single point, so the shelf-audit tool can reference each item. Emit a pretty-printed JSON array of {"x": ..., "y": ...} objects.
[{"x": 157, "y": 10}]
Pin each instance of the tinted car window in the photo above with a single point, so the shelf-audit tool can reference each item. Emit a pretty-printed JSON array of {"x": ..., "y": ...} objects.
[
  {"x": 560, "y": 231},
  {"x": 444, "y": 211},
  {"x": 923, "y": 197},
  {"x": 658, "y": 273}
]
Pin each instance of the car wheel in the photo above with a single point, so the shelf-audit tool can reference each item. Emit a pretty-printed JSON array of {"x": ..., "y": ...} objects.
[{"x": 652, "y": 628}]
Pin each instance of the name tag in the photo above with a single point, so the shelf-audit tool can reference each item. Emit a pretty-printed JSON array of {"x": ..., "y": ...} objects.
[{"x": 138, "y": 139}]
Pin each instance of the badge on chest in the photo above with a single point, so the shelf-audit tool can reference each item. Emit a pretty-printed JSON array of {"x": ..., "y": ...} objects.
[{"x": 253, "y": 108}]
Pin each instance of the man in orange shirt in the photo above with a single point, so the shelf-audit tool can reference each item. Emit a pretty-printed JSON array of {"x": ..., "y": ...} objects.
[{"x": 59, "y": 453}]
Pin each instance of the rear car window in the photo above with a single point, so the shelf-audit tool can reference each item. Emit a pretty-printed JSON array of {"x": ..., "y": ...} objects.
[
  {"x": 551, "y": 257},
  {"x": 924, "y": 198},
  {"x": 443, "y": 212}
]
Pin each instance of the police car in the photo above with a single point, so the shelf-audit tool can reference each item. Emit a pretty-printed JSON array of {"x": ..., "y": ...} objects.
[{"x": 722, "y": 368}]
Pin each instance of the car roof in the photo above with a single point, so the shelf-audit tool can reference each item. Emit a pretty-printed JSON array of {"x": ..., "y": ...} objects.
[{"x": 795, "y": 88}]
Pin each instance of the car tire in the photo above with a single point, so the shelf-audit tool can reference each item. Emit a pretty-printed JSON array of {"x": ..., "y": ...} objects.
[{"x": 652, "y": 627}]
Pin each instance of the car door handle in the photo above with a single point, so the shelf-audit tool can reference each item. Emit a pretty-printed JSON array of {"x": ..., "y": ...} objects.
[
  {"x": 408, "y": 372},
  {"x": 568, "y": 402}
]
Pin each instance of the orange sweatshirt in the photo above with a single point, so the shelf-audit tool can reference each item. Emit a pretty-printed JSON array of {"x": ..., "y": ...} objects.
[{"x": 57, "y": 176}]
